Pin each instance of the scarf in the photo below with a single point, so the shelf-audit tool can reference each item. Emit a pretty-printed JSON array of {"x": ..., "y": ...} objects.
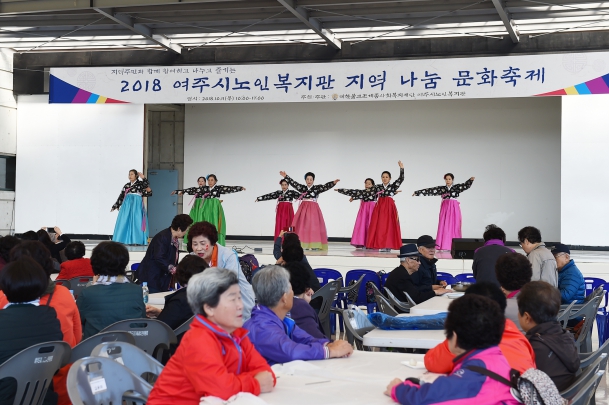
[
  {"x": 36, "y": 302},
  {"x": 108, "y": 280}
]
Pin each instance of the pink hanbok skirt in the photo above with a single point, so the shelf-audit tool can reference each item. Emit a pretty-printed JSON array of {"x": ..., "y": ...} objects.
[
  {"x": 310, "y": 226},
  {"x": 449, "y": 224},
  {"x": 362, "y": 223}
]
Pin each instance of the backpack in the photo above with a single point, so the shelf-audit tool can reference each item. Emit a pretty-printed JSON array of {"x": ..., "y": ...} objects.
[
  {"x": 533, "y": 387},
  {"x": 249, "y": 265},
  {"x": 370, "y": 298}
]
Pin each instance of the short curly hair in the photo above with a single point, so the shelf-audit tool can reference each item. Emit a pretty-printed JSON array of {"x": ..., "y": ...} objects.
[
  {"x": 181, "y": 222},
  {"x": 6, "y": 244},
  {"x": 513, "y": 271},
  {"x": 205, "y": 229},
  {"x": 299, "y": 277},
  {"x": 75, "y": 250},
  {"x": 530, "y": 233},
  {"x": 492, "y": 231},
  {"x": 477, "y": 321},
  {"x": 37, "y": 251},
  {"x": 188, "y": 267},
  {"x": 292, "y": 254},
  {"x": 109, "y": 259}
]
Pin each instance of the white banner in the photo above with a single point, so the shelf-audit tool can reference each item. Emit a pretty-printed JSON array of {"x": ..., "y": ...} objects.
[{"x": 487, "y": 77}]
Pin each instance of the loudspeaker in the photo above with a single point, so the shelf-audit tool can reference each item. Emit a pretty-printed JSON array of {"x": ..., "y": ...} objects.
[{"x": 463, "y": 248}]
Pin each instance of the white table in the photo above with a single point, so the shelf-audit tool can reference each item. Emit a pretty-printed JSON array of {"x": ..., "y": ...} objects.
[
  {"x": 158, "y": 299},
  {"x": 358, "y": 380},
  {"x": 413, "y": 339},
  {"x": 432, "y": 306}
]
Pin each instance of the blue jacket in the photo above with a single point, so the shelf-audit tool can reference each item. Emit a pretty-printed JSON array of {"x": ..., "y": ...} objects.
[
  {"x": 571, "y": 284},
  {"x": 228, "y": 259},
  {"x": 282, "y": 341}
]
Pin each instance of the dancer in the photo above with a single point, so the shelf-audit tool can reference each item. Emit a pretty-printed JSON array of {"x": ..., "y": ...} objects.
[
  {"x": 366, "y": 207},
  {"x": 132, "y": 222},
  {"x": 284, "y": 212},
  {"x": 384, "y": 232},
  {"x": 449, "y": 224},
  {"x": 212, "y": 209},
  {"x": 196, "y": 212},
  {"x": 309, "y": 222}
]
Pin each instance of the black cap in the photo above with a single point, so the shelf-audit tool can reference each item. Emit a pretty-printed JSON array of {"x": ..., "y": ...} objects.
[
  {"x": 560, "y": 248},
  {"x": 426, "y": 241},
  {"x": 409, "y": 250}
]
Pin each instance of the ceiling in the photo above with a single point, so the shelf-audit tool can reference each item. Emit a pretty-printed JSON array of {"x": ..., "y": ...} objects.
[{"x": 178, "y": 25}]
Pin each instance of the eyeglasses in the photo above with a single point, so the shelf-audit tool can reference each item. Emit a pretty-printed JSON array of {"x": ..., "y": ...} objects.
[{"x": 415, "y": 258}]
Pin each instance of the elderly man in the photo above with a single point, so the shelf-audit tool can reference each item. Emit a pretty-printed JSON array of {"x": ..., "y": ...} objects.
[
  {"x": 570, "y": 280},
  {"x": 426, "y": 278},
  {"x": 542, "y": 261},
  {"x": 275, "y": 336},
  {"x": 400, "y": 280},
  {"x": 485, "y": 257}
]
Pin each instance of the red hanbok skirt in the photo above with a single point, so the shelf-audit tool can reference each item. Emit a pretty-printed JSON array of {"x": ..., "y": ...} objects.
[
  {"x": 284, "y": 216},
  {"x": 384, "y": 231}
]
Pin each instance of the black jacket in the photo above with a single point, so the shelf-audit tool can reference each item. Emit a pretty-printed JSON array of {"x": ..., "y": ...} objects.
[
  {"x": 154, "y": 269},
  {"x": 555, "y": 353},
  {"x": 176, "y": 310},
  {"x": 427, "y": 275},
  {"x": 399, "y": 281},
  {"x": 485, "y": 259}
]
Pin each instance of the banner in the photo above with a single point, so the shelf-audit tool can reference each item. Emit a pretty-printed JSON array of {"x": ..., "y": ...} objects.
[{"x": 456, "y": 78}]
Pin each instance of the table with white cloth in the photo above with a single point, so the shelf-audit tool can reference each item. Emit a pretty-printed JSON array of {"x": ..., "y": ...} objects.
[
  {"x": 359, "y": 379},
  {"x": 158, "y": 299},
  {"x": 432, "y": 306}
]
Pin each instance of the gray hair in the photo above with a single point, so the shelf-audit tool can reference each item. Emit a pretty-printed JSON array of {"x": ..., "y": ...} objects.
[
  {"x": 270, "y": 283},
  {"x": 207, "y": 287}
]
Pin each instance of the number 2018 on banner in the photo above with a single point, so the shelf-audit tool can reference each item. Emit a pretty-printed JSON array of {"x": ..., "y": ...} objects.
[{"x": 139, "y": 86}]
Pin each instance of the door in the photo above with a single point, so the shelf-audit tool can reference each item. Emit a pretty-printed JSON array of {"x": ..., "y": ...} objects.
[{"x": 162, "y": 206}]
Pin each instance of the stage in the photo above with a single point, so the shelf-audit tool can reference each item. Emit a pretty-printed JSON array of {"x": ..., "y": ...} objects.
[{"x": 343, "y": 257}]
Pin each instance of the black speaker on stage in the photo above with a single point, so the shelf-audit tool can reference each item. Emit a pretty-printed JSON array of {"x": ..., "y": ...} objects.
[{"x": 463, "y": 248}]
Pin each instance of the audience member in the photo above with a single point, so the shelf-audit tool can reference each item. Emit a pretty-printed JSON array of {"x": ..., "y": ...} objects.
[
  {"x": 29, "y": 235},
  {"x": 570, "y": 280},
  {"x": 514, "y": 345},
  {"x": 202, "y": 241},
  {"x": 302, "y": 312},
  {"x": 400, "y": 279},
  {"x": 110, "y": 297},
  {"x": 512, "y": 270},
  {"x": 55, "y": 245},
  {"x": 295, "y": 254},
  {"x": 485, "y": 257},
  {"x": 24, "y": 322},
  {"x": 542, "y": 261},
  {"x": 6, "y": 244},
  {"x": 77, "y": 265},
  {"x": 177, "y": 310},
  {"x": 277, "y": 337},
  {"x": 555, "y": 351},
  {"x": 216, "y": 357},
  {"x": 426, "y": 278},
  {"x": 474, "y": 327}
]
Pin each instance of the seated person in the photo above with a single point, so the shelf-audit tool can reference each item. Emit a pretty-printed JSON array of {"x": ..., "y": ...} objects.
[
  {"x": 23, "y": 321},
  {"x": 302, "y": 312},
  {"x": 177, "y": 310},
  {"x": 426, "y": 278},
  {"x": 6, "y": 244},
  {"x": 570, "y": 280},
  {"x": 216, "y": 358},
  {"x": 512, "y": 270},
  {"x": 514, "y": 345},
  {"x": 292, "y": 254},
  {"x": 276, "y": 336},
  {"x": 110, "y": 297},
  {"x": 474, "y": 327},
  {"x": 400, "y": 279},
  {"x": 485, "y": 257},
  {"x": 555, "y": 351},
  {"x": 77, "y": 264}
]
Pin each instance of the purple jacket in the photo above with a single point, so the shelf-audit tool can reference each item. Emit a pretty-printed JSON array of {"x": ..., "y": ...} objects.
[
  {"x": 462, "y": 386},
  {"x": 306, "y": 318},
  {"x": 282, "y": 341}
]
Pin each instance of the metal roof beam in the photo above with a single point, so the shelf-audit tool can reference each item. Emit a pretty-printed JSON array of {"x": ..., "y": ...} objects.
[
  {"x": 312, "y": 23},
  {"x": 507, "y": 20},
  {"x": 140, "y": 29}
]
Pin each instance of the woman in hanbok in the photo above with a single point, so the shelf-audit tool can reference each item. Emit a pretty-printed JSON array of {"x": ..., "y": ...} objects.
[
  {"x": 449, "y": 224},
  {"x": 196, "y": 212},
  {"x": 368, "y": 202},
  {"x": 284, "y": 211},
  {"x": 384, "y": 232},
  {"x": 132, "y": 222},
  {"x": 212, "y": 208},
  {"x": 309, "y": 222}
]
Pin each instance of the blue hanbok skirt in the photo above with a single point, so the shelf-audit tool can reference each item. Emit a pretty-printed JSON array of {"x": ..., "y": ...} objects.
[{"x": 132, "y": 223}]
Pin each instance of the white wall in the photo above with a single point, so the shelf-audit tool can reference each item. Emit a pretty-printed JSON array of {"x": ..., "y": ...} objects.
[
  {"x": 73, "y": 161},
  {"x": 585, "y": 150},
  {"x": 511, "y": 146},
  {"x": 8, "y": 134}
]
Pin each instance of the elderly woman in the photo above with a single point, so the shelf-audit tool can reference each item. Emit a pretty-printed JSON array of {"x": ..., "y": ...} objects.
[
  {"x": 77, "y": 264},
  {"x": 276, "y": 336},
  {"x": 513, "y": 271},
  {"x": 216, "y": 357},
  {"x": 202, "y": 241},
  {"x": 177, "y": 310},
  {"x": 110, "y": 297},
  {"x": 24, "y": 322}
]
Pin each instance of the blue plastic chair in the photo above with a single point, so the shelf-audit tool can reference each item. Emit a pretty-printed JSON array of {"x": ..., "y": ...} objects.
[
  {"x": 325, "y": 275},
  {"x": 592, "y": 283},
  {"x": 465, "y": 278},
  {"x": 446, "y": 277},
  {"x": 369, "y": 275},
  {"x": 602, "y": 318},
  {"x": 135, "y": 266}
]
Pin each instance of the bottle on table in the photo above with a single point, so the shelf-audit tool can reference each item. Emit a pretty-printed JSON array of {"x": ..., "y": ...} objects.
[{"x": 145, "y": 292}]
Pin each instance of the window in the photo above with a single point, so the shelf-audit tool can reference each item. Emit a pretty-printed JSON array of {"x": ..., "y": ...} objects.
[{"x": 7, "y": 172}]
